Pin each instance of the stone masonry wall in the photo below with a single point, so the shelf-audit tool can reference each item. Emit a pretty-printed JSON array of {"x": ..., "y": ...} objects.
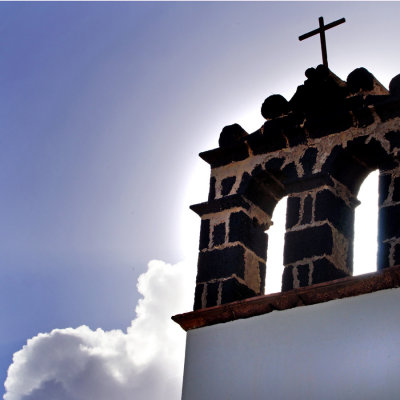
[{"x": 317, "y": 149}]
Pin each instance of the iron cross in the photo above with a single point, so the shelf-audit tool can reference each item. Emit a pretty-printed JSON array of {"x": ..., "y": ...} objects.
[{"x": 321, "y": 30}]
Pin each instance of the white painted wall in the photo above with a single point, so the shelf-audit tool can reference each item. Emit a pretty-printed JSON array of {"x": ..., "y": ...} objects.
[{"x": 343, "y": 349}]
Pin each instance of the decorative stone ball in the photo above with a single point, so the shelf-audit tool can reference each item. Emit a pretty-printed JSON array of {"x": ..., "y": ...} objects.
[
  {"x": 360, "y": 79},
  {"x": 231, "y": 134},
  {"x": 394, "y": 86},
  {"x": 274, "y": 106}
]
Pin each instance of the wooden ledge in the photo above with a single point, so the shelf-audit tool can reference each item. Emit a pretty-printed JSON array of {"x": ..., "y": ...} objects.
[{"x": 338, "y": 289}]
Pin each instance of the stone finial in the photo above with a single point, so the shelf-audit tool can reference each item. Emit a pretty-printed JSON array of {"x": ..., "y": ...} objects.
[
  {"x": 394, "y": 86},
  {"x": 360, "y": 80},
  {"x": 231, "y": 134},
  {"x": 322, "y": 90},
  {"x": 274, "y": 106}
]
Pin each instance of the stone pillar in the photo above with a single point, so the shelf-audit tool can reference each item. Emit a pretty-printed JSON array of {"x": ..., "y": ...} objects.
[
  {"x": 232, "y": 252},
  {"x": 319, "y": 235},
  {"x": 389, "y": 218}
]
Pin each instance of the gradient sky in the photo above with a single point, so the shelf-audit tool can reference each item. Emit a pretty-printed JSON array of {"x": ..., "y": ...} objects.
[{"x": 103, "y": 110}]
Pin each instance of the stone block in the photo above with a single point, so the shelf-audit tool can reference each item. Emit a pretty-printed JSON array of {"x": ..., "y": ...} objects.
[
  {"x": 394, "y": 139},
  {"x": 307, "y": 210},
  {"x": 384, "y": 185},
  {"x": 227, "y": 185},
  {"x": 232, "y": 290},
  {"x": 329, "y": 207},
  {"x": 263, "y": 269},
  {"x": 325, "y": 123},
  {"x": 219, "y": 234},
  {"x": 308, "y": 160},
  {"x": 307, "y": 243},
  {"x": 396, "y": 189},
  {"x": 303, "y": 273},
  {"x": 292, "y": 211},
  {"x": 383, "y": 255},
  {"x": 287, "y": 278},
  {"x": 389, "y": 226},
  {"x": 204, "y": 234},
  {"x": 212, "y": 294},
  {"x": 211, "y": 193},
  {"x": 221, "y": 263},
  {"x": 325, "y": 271},
  {"x": 243, "y": 229},
  {"x": 198, "y": 294}
]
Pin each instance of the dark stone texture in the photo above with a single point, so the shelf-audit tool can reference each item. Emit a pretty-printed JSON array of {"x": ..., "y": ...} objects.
[
  {"x": 383, "y": 255},
  {"x": 204, "y": 234},
  {"x": 360, "y": 79},
  {"x": 274, "y": 106},
  {"x": 219, "y": 234},
  {"x": 307, "y": 210},
  {"x": 296, "y": 135},
  {"x": 325, "y": 271},
  {"x": 198, "y": 293},
  {"x": 211, "y": 193},
  {"x": 292, "y": 211},
  {"x": 244, "y": 183},
  {"x": 360, "y": 110},
  {"x": 303, "y": 272},
  {"x": 271, "y": 139},
  {"x": 232, "y": 290},
  {"x": 307, "y": 183},
  {"x": 230, "y": 135},
  {"x": 243, "y": 229},
  {"x": 394, "y": 139},
  {"x": 323, "y": 123},
  {"x": 394, "y": 86},
  {"x": 212, "y": 294},
  {"x": 388, "y": 225},
  {"x": 396, "y": 189},
  {"x": 308, "y": 160},
  {"x": 396, "y": 254},
  {"x": 351, "y": 166},
  {"x": 223, "y": 156},
  {"x": 222, "y": 263},
  {"x": 224, "y": 203},
  {"x": 306, "y": 243},
  {"x": 388, "y": 109},
  {"x": 227, "y": 184},
  {"x": 263, "y": 269},
  {"x": 289, "y": 173},
  {"x": 329, "y": 207},
  {"x": 287, "y": 278},
  {"x": 274, "y": 165},
  {"x": 384, "y": 185},
  {"x": 263, "y": 191}
]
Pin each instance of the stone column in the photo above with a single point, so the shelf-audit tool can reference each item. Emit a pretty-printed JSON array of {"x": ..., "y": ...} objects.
[
  {"x": 389, "y": 218},
  {"x": 232, "y": 252},
  {"x": 319, "y": 235}
]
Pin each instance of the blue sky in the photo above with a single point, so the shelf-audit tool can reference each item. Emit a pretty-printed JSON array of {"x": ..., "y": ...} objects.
[{"x": 103, "y": 110}]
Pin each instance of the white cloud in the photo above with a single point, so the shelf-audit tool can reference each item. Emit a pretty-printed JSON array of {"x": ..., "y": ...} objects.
[{"x": 146, "y": 362}]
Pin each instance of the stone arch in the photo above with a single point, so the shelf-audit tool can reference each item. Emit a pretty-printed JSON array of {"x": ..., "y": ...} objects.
[{"x": 317, "y": 149}]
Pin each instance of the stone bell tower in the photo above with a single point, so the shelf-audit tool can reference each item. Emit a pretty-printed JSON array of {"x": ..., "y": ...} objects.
[
  {"x": 316, "y": 149},
  {"x": 328, "y": 335}
]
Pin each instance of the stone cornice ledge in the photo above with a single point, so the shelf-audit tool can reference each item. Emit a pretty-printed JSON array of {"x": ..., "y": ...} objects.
[{"x": 338, "y": 289}]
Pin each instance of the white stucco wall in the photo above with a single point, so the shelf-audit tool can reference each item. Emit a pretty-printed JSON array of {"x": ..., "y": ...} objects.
[{"x": 343, "y": 349}]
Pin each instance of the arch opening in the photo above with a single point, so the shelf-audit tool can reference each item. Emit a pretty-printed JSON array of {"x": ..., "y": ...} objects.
[
  {"x": 276, "y": 238},
  {"x": 366, "y": 226}
]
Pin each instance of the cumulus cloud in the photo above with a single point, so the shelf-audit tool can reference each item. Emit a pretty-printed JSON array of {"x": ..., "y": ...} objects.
[{"x": 145, "y": 362}]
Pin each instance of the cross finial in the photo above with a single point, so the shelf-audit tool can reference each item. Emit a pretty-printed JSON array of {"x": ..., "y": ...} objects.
[{"x": 321, "y": 30}]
